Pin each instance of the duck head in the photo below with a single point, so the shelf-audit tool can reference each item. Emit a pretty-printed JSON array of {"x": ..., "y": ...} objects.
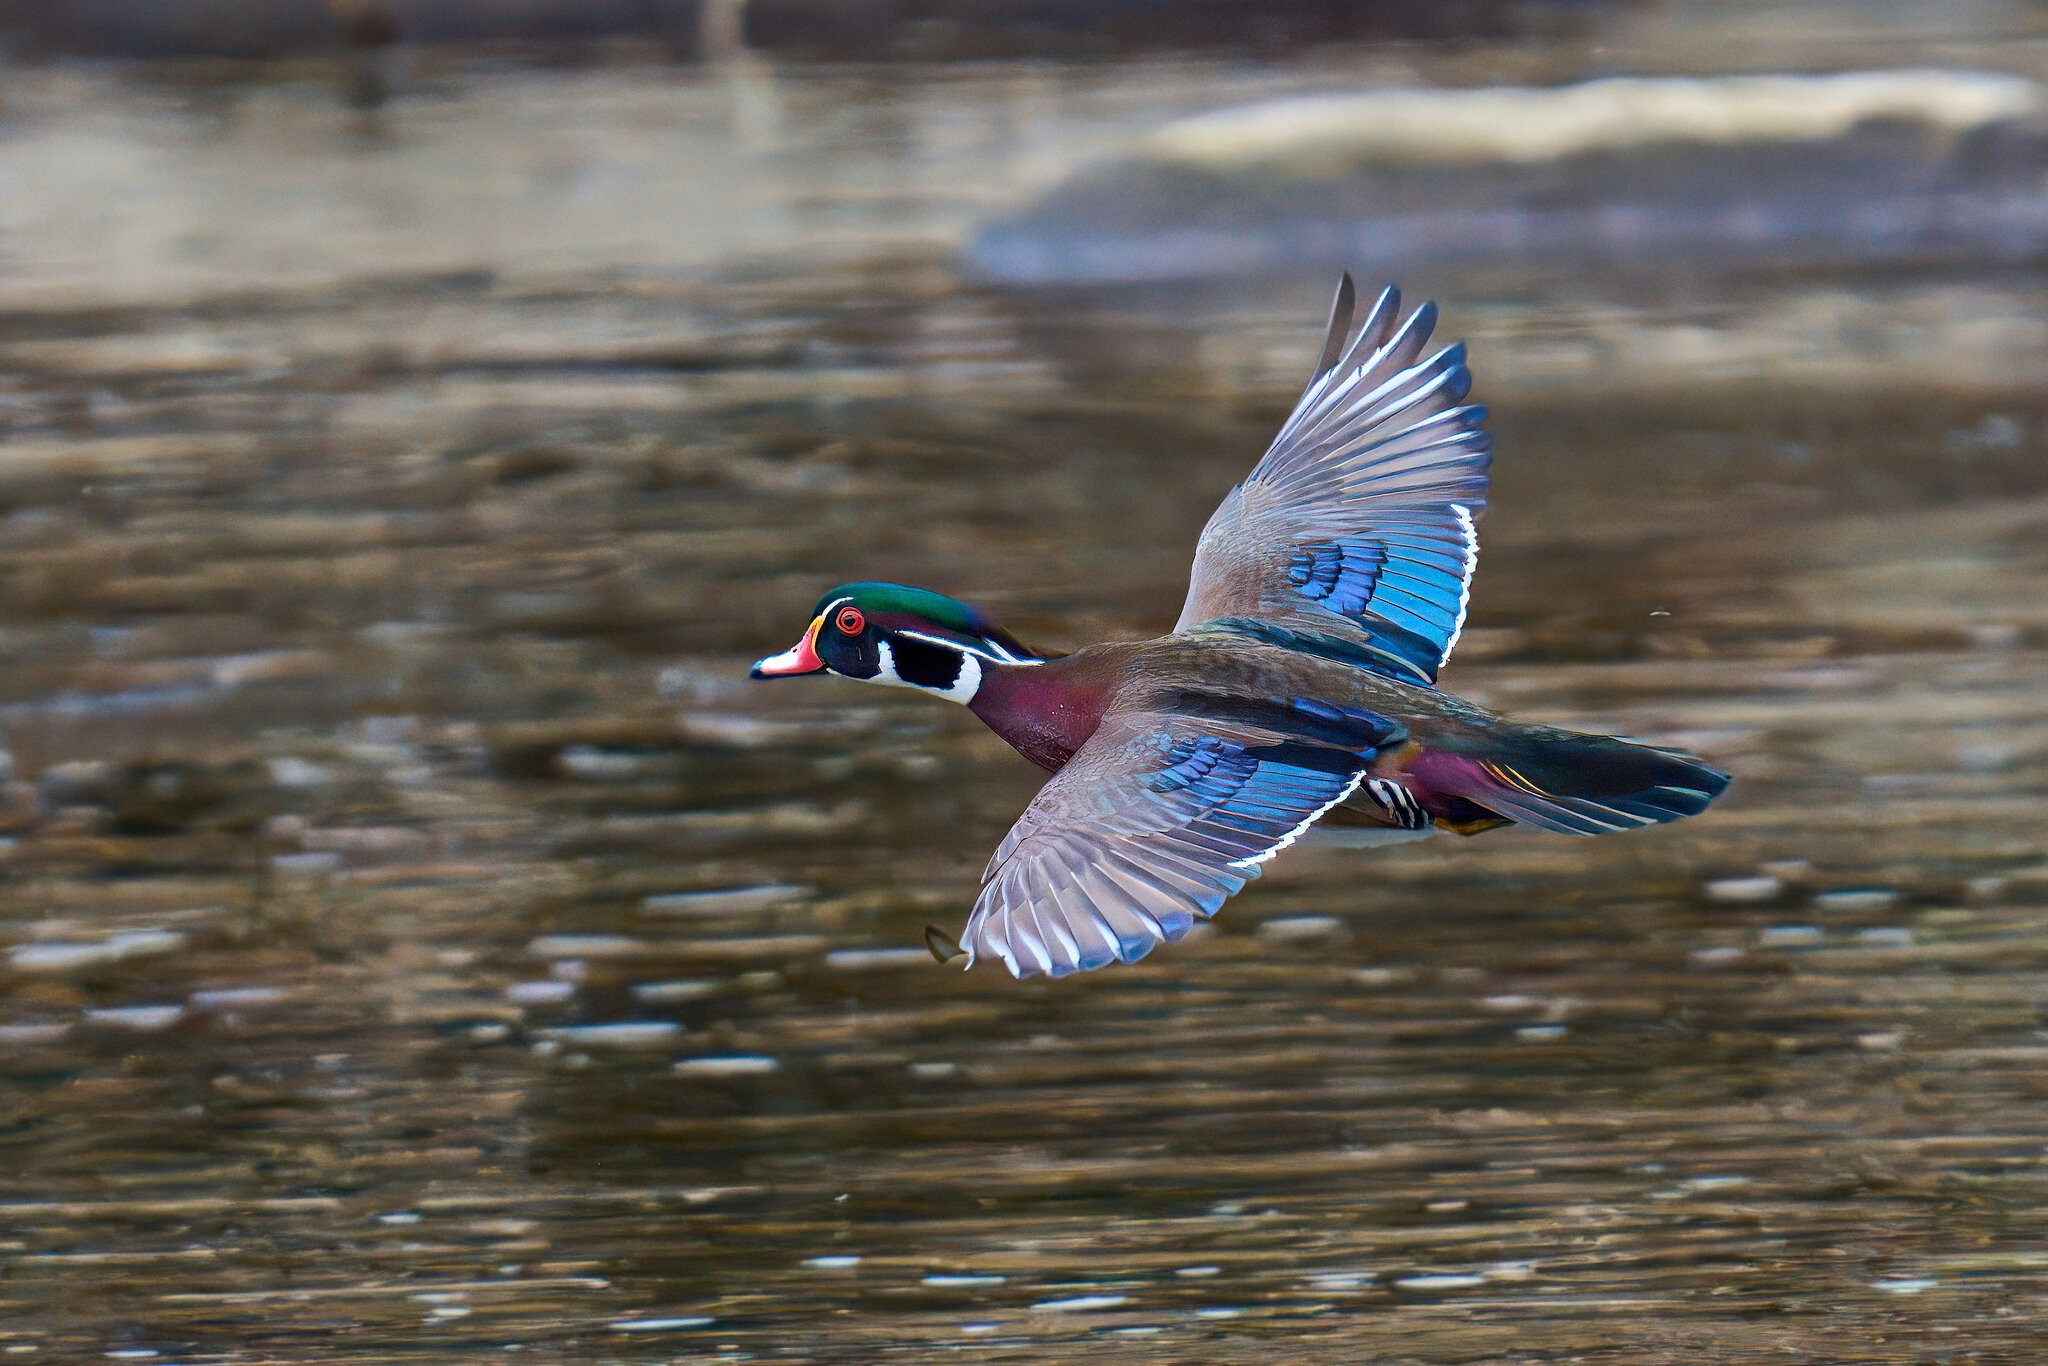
[{"x": 905, "y": 637}]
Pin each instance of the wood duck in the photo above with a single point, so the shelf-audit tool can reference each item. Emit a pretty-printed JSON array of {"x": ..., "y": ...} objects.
[{"x": 1298, "y": 684}]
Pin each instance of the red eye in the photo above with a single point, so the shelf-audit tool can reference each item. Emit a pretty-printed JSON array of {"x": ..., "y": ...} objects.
[{"x": 850, "y": 621}]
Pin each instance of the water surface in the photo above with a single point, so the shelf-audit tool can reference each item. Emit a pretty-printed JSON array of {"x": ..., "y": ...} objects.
[{"x": 423, "y": 943}]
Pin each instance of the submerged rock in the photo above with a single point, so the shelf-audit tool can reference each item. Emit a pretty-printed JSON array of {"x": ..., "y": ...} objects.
[{"x": 1733, "y": 170}]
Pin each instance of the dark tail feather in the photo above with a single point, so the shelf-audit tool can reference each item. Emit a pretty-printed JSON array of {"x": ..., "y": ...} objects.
[{"x": 1587, "y": 784}]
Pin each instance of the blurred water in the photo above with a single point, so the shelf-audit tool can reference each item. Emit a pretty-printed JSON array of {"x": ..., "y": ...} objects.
[{"x": 421, "y": 941}]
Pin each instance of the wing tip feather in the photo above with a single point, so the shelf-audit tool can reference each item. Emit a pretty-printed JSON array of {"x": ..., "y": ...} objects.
[{"x": 1339, "y": 330}]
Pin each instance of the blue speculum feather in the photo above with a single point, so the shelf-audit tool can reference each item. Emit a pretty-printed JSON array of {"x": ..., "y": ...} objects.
[
  {"x": 1379, "y": 440},
  {"x": 1339, "y": 574},
  {"x": 1353, "y": 729},
  {"x": 1251, "y": 795},
  {"x": 1367, "y": 730},
  {"x": 1392, "y": 651},
  {"x": 1189, "y": 762}
]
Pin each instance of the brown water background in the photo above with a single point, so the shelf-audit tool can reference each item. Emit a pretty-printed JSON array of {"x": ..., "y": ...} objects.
[{"x": 422, "y": 943}]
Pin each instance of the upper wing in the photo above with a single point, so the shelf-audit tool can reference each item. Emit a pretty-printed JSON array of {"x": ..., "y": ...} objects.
[
  {"x": 1356, "y": 527},
  {"x": 1153, "y": 823}
]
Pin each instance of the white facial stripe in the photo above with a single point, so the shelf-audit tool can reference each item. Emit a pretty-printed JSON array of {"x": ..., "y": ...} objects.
[{"x": 995, "y": 654}]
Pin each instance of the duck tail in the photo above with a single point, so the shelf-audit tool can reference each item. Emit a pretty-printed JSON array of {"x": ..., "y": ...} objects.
[{"x": 1570, "y": 783}]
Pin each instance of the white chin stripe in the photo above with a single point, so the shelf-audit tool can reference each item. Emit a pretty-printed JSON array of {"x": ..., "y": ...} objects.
[{"x": 965, "y": 683}]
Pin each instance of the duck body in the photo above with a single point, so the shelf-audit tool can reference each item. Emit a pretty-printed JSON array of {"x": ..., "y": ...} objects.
[
  {"x": 1446, "y": 753},
  {"x": 1299, "y": 683}
]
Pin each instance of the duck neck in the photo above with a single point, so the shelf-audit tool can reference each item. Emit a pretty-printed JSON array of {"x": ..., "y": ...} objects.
[{"x": 1045, "y": 711}]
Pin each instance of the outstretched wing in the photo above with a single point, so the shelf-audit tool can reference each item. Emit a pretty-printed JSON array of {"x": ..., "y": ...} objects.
[
  {"x": 1355, "y": 532},
  {"x": 1152, "y": 824}
]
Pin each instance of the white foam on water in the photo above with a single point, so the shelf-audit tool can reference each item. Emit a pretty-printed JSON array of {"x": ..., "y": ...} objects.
[
  {"x": 142, "y": 1019},
  {"x": 740, "y": 1065},
  {"x": 55, "y": 956},
  {"x": 1440, "y": 1282},
  {"x": 625, "y": 1034},
  {"x": 1080, "y": 1304}
]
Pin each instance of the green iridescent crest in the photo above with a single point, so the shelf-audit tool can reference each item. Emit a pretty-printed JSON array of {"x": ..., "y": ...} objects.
[
  {"x": 922, "y": 603},
  {"x": 898, "y": 605}
]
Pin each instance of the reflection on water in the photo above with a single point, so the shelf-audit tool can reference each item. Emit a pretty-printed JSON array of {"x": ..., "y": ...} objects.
[{"x": 421, "y": 940}]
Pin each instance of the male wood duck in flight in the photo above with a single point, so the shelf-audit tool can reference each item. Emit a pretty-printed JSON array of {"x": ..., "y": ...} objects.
[{"x": 1327, "y": 590}]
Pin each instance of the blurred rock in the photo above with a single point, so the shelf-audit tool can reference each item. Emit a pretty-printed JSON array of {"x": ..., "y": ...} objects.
[
  {"x": 996, "y": 28},
  {"x": 825, "y": 28},
  {"x": 372, "y": 29},
  {"x": 1711, "y": 173},
  {"x": 268, "y": 28}
]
